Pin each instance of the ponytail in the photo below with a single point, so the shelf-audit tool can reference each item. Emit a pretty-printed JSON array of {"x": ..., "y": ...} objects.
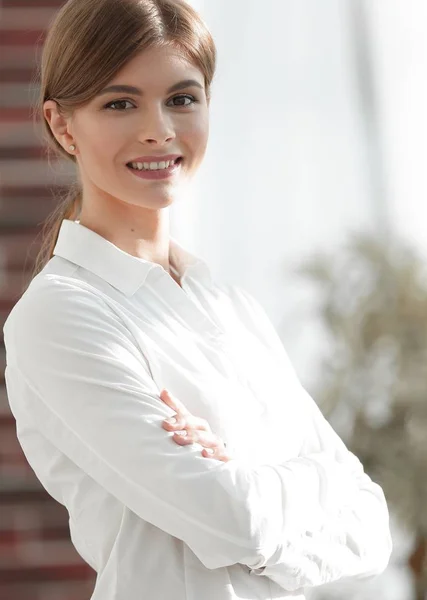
[{"x": 69, "y": 208}]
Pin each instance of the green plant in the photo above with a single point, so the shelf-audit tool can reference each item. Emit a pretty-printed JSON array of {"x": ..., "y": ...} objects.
[{"x": 374, "y": 310}]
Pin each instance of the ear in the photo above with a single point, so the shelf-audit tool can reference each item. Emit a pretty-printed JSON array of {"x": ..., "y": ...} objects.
[{"x": 58, "y": 123}]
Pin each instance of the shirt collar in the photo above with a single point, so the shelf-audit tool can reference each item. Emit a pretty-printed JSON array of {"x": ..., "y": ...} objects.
[{"x": 87, "y": 249}]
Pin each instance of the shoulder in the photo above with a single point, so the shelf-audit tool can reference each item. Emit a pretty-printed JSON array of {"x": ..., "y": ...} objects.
[
  {"x": 51, "y": 300},
  {"x": 48, "y": 292}
]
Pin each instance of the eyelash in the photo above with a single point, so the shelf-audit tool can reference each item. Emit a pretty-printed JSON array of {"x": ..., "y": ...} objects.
[{"x": 193, "y": 100}]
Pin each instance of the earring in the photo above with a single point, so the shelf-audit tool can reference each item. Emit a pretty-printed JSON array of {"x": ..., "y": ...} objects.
[{"x": 72, "y": 147}]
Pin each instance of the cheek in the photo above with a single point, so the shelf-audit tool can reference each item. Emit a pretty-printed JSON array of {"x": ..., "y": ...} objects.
[
  {"x": 110, "y": 139},
  {"x": 101, "y": 143},
  {"x": 193, "y": 126},
  {"x": 102, "y": 136},
  {"x": 194, "y": 137}
]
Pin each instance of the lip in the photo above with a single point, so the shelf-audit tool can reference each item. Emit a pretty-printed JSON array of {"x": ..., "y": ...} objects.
[
  {"x": 148, "y": 159},
  {"x": 157, "y": 175}
]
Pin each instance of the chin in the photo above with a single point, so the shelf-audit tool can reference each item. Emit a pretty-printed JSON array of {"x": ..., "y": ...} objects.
[{"x": 152, "y": 202}]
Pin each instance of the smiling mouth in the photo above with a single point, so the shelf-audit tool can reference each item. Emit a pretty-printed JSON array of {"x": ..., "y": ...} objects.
[
  {"x": 146, "y": 166},
  {"x": 159, "y": 174}
]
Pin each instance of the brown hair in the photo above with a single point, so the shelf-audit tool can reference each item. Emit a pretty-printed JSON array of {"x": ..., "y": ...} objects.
[{"x": 87, "y": 43}]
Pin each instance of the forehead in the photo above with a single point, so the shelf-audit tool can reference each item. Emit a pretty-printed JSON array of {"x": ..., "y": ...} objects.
[{"x": 158, "y": 66}]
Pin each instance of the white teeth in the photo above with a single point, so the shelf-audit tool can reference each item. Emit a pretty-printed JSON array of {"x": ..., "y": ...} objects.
[{"x": 152, "y": 166}]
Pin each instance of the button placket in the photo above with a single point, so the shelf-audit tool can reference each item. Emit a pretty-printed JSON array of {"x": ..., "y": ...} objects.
[{"x": 201, "y": 325}]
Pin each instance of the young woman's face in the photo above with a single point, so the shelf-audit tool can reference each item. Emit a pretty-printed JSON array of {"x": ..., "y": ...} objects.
[{"x": 119, "y": 127}]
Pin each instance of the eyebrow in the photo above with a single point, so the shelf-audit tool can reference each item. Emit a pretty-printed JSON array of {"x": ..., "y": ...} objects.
[{"x": 130, "y": 89}]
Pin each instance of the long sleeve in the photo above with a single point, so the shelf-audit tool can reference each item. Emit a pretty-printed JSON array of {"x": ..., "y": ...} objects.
[
  {"x": 337, "y": 521},
  {"x": 77, "y": 374}
]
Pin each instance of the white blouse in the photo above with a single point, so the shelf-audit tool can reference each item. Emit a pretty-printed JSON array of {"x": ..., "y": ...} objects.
[{"x": 91, "y": 343}]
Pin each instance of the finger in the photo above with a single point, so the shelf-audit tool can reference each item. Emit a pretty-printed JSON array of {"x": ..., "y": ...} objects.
[
  {"x": 214, "y": 447},
  {"x": 204, "y": 438},
  {"x": 173, "y": 402},
  {"x": 217, "y": 454},
  {"x": 186, "y": 422}
]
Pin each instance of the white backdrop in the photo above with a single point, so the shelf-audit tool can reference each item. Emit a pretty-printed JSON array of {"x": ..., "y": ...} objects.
[
  {"x": 318, "y": 127},
  {"x": 287, "y": 167}
]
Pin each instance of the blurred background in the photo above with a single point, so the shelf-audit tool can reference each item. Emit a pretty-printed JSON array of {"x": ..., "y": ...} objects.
[{"x": 315, "y": 184}]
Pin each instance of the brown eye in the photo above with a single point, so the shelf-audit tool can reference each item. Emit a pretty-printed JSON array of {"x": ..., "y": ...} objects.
[
  {"x": 184, "y": 97},
  {"x": 118, "y": 102}
]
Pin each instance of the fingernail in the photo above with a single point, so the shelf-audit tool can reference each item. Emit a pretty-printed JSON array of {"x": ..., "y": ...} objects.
[
  {"x": 171, "y": 420},
  {"x": 210, "y": 450}
]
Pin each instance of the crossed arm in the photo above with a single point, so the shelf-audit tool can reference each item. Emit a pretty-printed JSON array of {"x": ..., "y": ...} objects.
[{"x": 307, "y": 521}]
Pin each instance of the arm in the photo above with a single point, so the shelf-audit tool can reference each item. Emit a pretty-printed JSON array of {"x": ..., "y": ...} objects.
[
  {"x": 76, "y": 371},
  {"x": 337, "y": 518},
  {"x": 78, "y": 374}
]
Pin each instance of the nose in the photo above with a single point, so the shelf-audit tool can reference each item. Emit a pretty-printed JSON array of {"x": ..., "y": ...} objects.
[{"x": 157, "y": 127}]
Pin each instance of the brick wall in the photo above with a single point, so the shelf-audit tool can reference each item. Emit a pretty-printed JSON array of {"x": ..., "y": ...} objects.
[{"x": 37, "y": 559}]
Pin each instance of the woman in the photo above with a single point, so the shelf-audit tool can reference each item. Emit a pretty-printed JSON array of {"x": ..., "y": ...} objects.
[{"x": 118, "y": 310}]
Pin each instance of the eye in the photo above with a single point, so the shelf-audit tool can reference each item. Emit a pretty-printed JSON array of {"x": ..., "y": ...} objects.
[
  {"x": 185, "y": 97},
  {"x": 121, "y": 102}
]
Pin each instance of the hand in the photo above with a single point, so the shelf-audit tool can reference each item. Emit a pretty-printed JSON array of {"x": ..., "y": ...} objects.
[{"x": 196, "y": 430}]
